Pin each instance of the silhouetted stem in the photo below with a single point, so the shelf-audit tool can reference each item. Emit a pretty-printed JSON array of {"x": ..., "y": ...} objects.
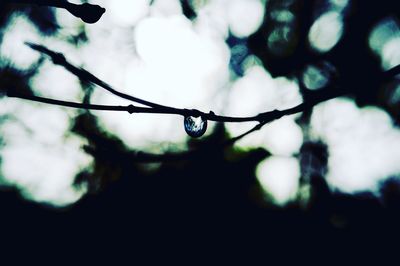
[
  {"x": 82, "y": 74},
  {"x": 267, "y": 116},
  {"x": 129, "y": 108},
  {"x": 87, "y": 12},
  {"x": 154, "y": 108}
]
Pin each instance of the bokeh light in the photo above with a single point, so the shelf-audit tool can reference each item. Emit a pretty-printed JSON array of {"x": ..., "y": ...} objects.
[
  {"x": 364, "y": 145},
  {"x": 279, "y": 177},
  {"x": 384, "y": 40},
  {"x": 326, "y": 31}
]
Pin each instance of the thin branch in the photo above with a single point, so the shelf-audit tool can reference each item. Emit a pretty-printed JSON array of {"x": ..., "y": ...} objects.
[
  {"x": 128, "y": 108},
  {"x": 154, "y": 108},
  {"x": 66, "y": 103},
  {"x": 82, "y": 74},
  {"x": 144, "y": 157},
  {"x": 87, "y": 12},
  {"x": 267, "y": 117}
]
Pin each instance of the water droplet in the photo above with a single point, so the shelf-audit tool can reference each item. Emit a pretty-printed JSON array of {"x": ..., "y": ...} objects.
[{"x": 195, "y": 126}]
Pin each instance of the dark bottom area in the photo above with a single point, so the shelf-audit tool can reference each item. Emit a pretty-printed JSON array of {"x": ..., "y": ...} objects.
[{"x": 157, "y": 219}]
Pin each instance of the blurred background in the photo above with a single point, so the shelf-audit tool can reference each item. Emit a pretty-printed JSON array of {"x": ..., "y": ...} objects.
[{"x": 330, "y": 173}]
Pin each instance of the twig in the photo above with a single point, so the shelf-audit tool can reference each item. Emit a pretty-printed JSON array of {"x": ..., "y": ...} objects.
[
  {"x": 267, "y": 116},
  {"x": 87, "y": 12},
  {"x": 154, "y": 108},
  {"x": 82, "y": 74},
  {"x": 128, "y": 108},
  {"x": 144, "y": 157}
]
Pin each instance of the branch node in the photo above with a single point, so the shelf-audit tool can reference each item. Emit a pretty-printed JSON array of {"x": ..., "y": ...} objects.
[
  {"x": 131, "y": 109},
  {"x": 193, "y": 112},
  {"x": 269, "y": 116},
  {"x": 58, "y": 59}
]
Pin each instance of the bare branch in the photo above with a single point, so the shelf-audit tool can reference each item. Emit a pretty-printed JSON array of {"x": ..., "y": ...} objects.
[
  {"x": 144, "y": 157},
  {"x": 264, "y": 118},
  {"x": 87, "y": 12},
  {"x": 82, "y": 74}
]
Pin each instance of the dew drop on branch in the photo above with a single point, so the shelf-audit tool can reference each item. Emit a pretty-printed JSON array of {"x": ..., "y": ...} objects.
[{"x": 195, "y": 126}]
